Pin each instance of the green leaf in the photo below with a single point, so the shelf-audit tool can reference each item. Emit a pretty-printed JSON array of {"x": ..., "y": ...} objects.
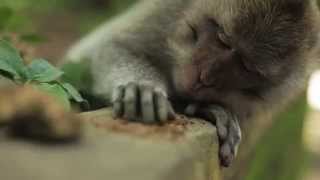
[
  {"x": 5, "y": 15},
  {"x": 74, "y": 94},
  {"x": 57, "y": 92},
  {"x": 42, "y": 71},
  {"x": 10, "y": 60}
]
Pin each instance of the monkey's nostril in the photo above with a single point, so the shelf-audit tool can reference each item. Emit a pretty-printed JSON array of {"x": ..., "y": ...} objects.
[{"x": 206, "y": 79}]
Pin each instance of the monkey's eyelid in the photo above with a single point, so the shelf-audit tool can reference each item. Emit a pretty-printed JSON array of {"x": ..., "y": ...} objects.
[
  {"x": 224, "y": 39},
  {"x": 214, "y": 22},
  {"x": 216, "y": 25},
  {"x": 194, "y": 31}
]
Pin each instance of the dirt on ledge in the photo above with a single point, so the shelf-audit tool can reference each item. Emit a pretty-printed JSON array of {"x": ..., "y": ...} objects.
[{"x": 103, "y": 120}]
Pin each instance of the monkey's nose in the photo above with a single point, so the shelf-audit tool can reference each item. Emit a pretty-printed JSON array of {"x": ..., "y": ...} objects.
[{"x": 207, "y": 78}]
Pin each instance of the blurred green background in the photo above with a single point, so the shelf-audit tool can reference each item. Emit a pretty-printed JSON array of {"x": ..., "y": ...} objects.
[
  {"x": 51, "y": 26},
  {"x": 56, "y": 24}
]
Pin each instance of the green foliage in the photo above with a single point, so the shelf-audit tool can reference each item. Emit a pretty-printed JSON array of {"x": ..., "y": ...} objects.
[
  {"x": 11, "y": 62},
  {"x": 12, "y": 21},
  {"x": 5, "y": 15},
  {"x": 39, "y": 73},
  {"x": 280, "y": 154},
  {"x": 28, "y": 4},
  {"x": 31, "y": 38},
  {"x": 73, "y": 93},
  {"x": 18, "y": 15},
  {"x": 79, "y": 74},
  {"x": 55, "y": 90}
]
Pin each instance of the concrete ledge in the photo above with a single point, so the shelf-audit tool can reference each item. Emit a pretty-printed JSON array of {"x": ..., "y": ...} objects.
[{"x": 117, "y": 150}]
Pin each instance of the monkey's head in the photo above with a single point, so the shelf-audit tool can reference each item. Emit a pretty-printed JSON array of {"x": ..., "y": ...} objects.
[{"x": 242, "y": 46}]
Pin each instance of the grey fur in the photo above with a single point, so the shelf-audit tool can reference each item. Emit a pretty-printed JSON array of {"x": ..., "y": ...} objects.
[{"x": 150, "y": 45}]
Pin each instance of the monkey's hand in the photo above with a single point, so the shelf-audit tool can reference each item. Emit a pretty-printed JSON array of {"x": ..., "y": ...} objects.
[
  {"x": 141, "y": 103},
  {"x": 228, "y": 129}
]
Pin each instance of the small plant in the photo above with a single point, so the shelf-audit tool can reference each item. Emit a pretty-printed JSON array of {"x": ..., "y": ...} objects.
[{"x": 39, "y": 74}]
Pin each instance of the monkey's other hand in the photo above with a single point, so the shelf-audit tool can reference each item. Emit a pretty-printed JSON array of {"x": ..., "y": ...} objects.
[
  {"x": 228, "y": 129},
  {"x": 141, "y": 103}
]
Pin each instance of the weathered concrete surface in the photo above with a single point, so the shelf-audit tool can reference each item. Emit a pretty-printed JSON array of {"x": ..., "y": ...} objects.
[{"x": 116, "y": 150}]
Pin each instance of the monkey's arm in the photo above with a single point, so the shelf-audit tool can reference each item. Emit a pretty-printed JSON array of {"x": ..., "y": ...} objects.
[
  {"x": 124, "y": 76},
  {"x": 134, "y": 87},
  {"x": 122, "y": 57}
]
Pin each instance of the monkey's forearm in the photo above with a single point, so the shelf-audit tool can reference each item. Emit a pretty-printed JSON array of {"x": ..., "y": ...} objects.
[{"x": 116, "y": 66}]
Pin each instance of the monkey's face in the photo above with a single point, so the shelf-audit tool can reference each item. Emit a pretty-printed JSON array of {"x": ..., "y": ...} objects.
[{"x": 242, "y": 46}]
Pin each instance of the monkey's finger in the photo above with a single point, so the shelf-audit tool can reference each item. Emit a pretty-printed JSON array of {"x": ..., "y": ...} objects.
[
  {"x": 234, "y": 137},
  {"x": 221, "y": 119},
  {"x": 147, "y": 105},
  {"x": 117, "y": 101},
  {"x": 222, "y": 130},
  {"x": 131, "y": 101},
  {"x": 229, "y": 147},
  {"x": 163, "y": 107},
  {"x": 228, "y": 151},
  {"x": 226, "y": 156}
]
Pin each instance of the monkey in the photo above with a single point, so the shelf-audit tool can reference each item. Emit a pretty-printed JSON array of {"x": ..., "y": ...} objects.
[{"x": 221, "y": 60}]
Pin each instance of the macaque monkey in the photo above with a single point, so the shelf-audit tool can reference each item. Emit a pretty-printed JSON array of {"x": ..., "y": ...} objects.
[{"x": 221, "y": 60}]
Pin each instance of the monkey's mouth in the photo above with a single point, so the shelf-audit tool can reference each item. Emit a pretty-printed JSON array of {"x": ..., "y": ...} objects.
[
  {"x": 198, "y": 85},
  {"x": 206, "y": 80},
  {"x": 204, "y": 94},
  {"x": 201, "y": 85},
  {"x": 194, "y": 79}
]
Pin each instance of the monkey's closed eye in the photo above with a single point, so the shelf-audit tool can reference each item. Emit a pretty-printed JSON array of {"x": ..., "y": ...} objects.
[
  {"x": 194, "y": 31},
  {"x": 224, "y": 39}
]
